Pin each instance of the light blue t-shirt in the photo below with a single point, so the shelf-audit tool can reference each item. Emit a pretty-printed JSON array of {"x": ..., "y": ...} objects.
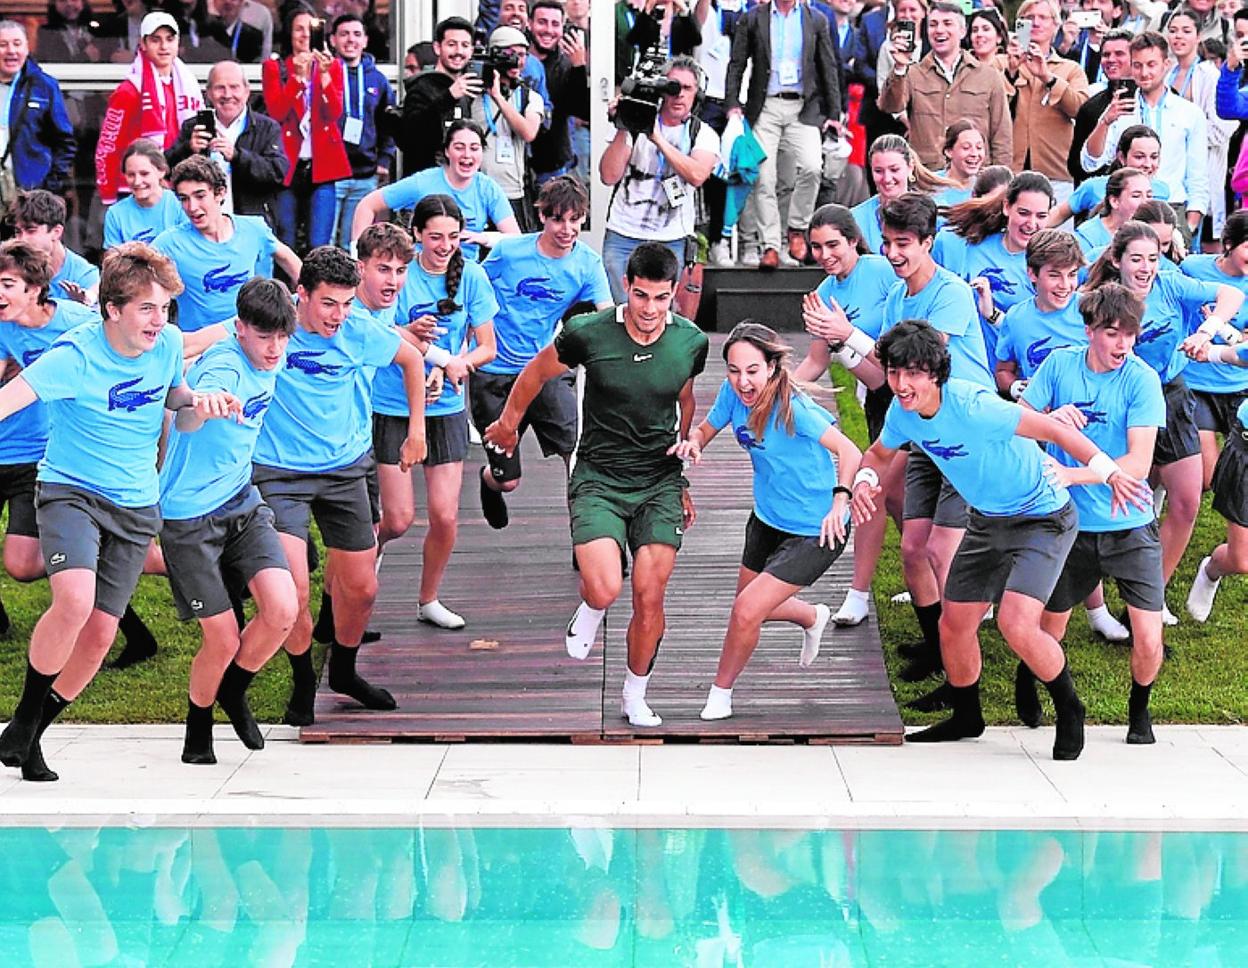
[
  {"x": 419, "y": 297},
  {"x": 1091, "y": 192},
  {"x": 951, "y": 196},
  {"x": 1028, "y": 335},
  {"x": 1214, "y": 377},
  {"x": 1172, "y": 303},
  {"x": 107, "y": 412},
  {"x": 481, "y": 202},
  {"x": 948, "y": 304},
  {"x": 867, "y": 215},
  {"x": 213, "y": 272},
  {"x": 533, "y": 293},
  {"x": 318, "y": 420},
  {"x": 206, "y": 468},
  {"x": 1006, "y": 273},
  {"x": 949, "y": 250},
  {"x": 128, "y": 221},
  {"x": 1113, "y": 402},
  {"x": 862, "y": 293},
  {"x": 793, "y": 474},
  {"x": 366, "y": 376},
  {"x": 24, "y": 435},
  {"x": 74, "y": 269},
  {"x": 971, "y": 440},
  {"x": 1092, "y": 235}
]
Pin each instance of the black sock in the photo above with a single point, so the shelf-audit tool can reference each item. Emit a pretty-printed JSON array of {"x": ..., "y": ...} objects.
[
  {"x": 36, "y": 769},
  {"x": 967, "y": 720},
  {"x": 232, "y": 698},
  {"x": 1068, "y": 743},
  {"x": 1026, "y": 702},
  {"x": 197, "y": 747},
  {"x": 303, "y": 693},
  {"x": 5, "y": 624},
  {"x": 1140, "y": 725},
  {"x": 20, "y": 733},
  {"x": 344, "y": 679},
  {"x": 929, "y": 624},
  {"x": 140, "y": 643},
  {"x": 323, "y": 631}
]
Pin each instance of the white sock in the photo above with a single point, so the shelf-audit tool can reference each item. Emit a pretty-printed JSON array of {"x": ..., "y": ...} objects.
[
  {"x": 1168, "y": 618},
  {"x": 812, "y": 636},
  {"x": 1105, "y": 625},
  {"x": 1200, "y": 598},
  {"x": 435, "y": 613},
  {"x": 854, "y": 609},
  {"x": 633, "y": 702},
  {"x": 582, "y": 630},
  {"x": 718, "y": 703}
]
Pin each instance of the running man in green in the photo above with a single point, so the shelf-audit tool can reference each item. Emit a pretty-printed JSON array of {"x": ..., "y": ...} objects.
[{"x": 627, "y": 488}]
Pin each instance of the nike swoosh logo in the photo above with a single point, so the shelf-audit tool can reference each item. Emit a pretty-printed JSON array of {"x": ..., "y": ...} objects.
[{"x": 639, "y": 358}]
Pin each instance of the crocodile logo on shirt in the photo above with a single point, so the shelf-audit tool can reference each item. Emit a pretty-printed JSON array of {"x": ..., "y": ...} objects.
[
  {"x": 536, "y": 287},
  {"x": 943, "y": 451},
  {"x": 998, "y": 282},
  {"x": 256, "y": 405},
  {"x": 746, "y": 439},
  {"x": 30, "y": 356},
  {"x": 1039, "y": 351},
  {"x": 1152, "y": 335},
  {"x": 147, "y": 235},
  {"x": 1093, "y": 416},
  {"x": 852, "y": 313},
  {"x": 121, "y": 397},
  {"x": 425, "y": 309},
  {"x": 221, "y": 279},
  {"x": 305, "y": 361}
]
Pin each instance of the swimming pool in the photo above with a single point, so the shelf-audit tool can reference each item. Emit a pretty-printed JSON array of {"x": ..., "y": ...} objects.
[{"x": 612, "y": 897}]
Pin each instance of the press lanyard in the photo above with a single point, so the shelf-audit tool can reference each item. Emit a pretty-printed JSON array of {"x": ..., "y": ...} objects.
[
  {"x": 8, "y": 110},
  {"x": 359, "y": 77},
  {"x": 1181, "y": 89},
  {"x": 491, "y": 123},
  {"x": 1156, "y": 112},
  {"x": 238, "y": 29},
  {"x": 684, "y": 134}
]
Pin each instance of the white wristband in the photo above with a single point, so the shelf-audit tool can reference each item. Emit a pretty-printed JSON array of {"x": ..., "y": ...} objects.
[
  {"x": 1017, "y": 388},
  {"x": 1223, "y": 354},
  {"x": 1103, "y": 466},
  {"x": 860, "y": 343},
  {"x": 847, "y": 357},
  {"x": 437, "y": 355},
  {"x": 1211, "y": 326},
  {"x": 866, "y": 475}
]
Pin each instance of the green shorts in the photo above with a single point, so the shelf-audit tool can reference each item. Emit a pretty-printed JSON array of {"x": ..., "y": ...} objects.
[{"x": 603, "y": 507}]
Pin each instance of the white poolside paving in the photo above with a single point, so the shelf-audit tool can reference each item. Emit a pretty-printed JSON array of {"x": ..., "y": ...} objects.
[{"x": 1196, "y": 777}]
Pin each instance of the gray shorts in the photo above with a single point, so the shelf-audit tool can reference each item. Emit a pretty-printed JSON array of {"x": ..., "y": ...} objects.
[
  {"x": 1131, "y": 557},
  {"x": 793, "y": 558},
  {"x": 446, "y": 437},
  {"x": 1230, "y": 478},
  {"x": 929, "y": 496},
  {"x": 1216, "y": 411},
  {"x": 81, "y": 529},
  {"x": 552, "y": 415},
  {"x": 225, "y": 549},
  {"x": 1179, "y": 438},
  {"x": 338, "y": 499},
  {"x": 1017, "y": 553},
  {"x": 17, "y": 490}
]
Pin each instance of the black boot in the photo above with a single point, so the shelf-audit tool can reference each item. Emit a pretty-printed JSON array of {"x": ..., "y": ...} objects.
[
  {"x": 197, "y": 747},
  {"x": 36, "y": 769},
  {"x": 232, "y": 698},
  {"x": 140, "y": 643},
  {"x": 967, "y": 720},
  {"x": 344, "y": 679},
  {"x": 1140, "y": 725},
  {"x": 18, "y": 736},
  {"x": 1026, "y": 702},
  {"x": 299, "y": 710},
  {"x": 1068, "y": 743}
]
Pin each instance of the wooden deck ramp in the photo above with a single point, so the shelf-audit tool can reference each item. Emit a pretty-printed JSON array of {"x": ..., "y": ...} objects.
[{"x": 507, "y": 675}]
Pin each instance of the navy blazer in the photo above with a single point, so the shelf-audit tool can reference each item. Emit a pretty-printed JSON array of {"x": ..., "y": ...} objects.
[{"x": 751, "y": 44}]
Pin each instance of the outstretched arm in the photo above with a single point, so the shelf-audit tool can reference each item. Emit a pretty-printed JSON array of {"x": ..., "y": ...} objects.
[
  {"x": 503, "y": 433},
  {"x": 14, "y": 396}
]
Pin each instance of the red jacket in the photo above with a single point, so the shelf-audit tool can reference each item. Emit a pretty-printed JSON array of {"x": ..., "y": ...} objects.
[
  {"x": 122, "y": 124},
  {"x": 284, "y": 102}
]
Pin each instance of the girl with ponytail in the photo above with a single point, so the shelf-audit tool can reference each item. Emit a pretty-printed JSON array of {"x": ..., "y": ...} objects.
[
  {"x": 803, "y": 466},
  {"x": 1125, "y": 191},
  {"x": 445, "y": 300},
  {"x": 895, "y": 169}
]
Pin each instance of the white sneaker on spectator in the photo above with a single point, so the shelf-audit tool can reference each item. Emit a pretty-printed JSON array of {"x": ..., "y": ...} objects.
[
  {"x": 750, "y": 256},
  {"x": 721, "y": 253}
]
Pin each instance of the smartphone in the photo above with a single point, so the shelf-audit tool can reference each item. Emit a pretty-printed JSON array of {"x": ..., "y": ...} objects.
[
  {"x": 1085, "y": 19},
  {"x": 904, "y": 31},
  {"x": 317, "y": 40},
  {"x": 1022, "y": 33},
  {"x": 206, "y": 119},
  {"x": 1124, "y": 86}
]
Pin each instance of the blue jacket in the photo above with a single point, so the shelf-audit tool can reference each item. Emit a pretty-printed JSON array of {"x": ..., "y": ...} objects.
[
  {"x": 1231, "y": 102},
  {"x": 40, "y": 135},
  {"x": 373, "y": 150}
]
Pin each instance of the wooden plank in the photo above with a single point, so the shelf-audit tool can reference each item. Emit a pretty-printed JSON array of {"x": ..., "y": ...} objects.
[{"x": 517, "y": 590}]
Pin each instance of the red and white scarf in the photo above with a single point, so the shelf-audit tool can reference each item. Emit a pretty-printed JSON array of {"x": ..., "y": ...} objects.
[{"x": 155, "y": 118}]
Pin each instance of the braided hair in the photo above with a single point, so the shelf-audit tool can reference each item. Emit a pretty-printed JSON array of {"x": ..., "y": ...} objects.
[{"x": 443, "y": 206}]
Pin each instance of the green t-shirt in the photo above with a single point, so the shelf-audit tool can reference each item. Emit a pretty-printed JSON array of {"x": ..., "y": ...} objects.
[{"x": 631, "y": 391}]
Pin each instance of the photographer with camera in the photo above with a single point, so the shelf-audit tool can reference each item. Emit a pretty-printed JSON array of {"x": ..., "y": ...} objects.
[
  {"x": 512, "y": 113},
  {"x": 436, "y": 97},
  {"x": 660, "y": 156}
]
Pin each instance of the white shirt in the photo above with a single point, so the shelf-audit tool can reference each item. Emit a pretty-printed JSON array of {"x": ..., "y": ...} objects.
[
  {"x": 230, "y": 132},
  {"x": 1184, "y": 147}
]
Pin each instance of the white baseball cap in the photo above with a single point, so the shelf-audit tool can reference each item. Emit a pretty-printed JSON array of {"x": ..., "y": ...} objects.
[
  {"x": 505, "y": 36},
  {"x": 154, "y": 21}
]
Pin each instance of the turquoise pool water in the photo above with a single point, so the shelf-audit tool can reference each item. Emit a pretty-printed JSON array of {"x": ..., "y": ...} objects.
[{"x": 573, "y": 897}]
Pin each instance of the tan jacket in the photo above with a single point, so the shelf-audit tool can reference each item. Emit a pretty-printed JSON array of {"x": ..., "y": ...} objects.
[
  {"x": 1044, "y": 119},
  {"x": 931, "y": 103}
]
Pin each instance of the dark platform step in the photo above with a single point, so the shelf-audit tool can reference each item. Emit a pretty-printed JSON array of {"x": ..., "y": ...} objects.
[{"x": 731, "y": 294}]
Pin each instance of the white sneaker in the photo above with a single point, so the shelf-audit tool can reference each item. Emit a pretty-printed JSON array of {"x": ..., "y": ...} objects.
[
  {"x": 718, "y": 704},
  {"x": 1106, "y": 626},
  {"x": 721, "y": 253},
  {"x": 853, "y": 610},
  {"x": 1200, "y": 598},
  {"x": 582, "y": 630},
  {"x": 812, "y": 636},
  {"x": 901, "y": 599},
  {"x": 435, "y": 613},
  {"x": 1168, "y": 618},
  {"x": 750, "y": 256}
]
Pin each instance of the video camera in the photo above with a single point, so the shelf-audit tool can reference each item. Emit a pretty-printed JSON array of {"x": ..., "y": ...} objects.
[
  {"x": 642, "y": 93},
  {"x": 488, "y": 61}
]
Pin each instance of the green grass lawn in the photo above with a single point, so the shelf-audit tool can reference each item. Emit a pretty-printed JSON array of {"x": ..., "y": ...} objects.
[{"x": 1204, "y": 681}]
